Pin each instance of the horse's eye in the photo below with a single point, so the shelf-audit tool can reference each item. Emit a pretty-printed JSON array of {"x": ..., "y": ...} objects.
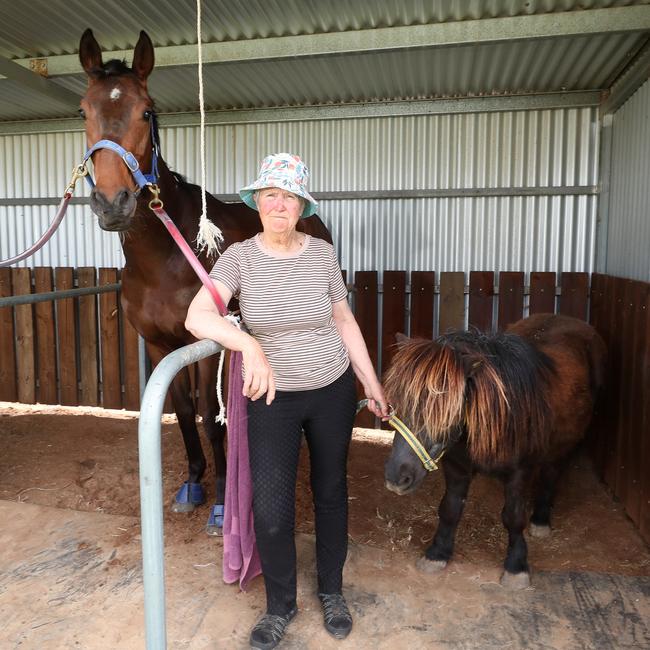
[
  {"x": 147, "y": 115},
  {"x": 82, "y": 114}
]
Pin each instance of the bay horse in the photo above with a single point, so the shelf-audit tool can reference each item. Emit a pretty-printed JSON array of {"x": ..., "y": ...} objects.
[
  {"x": 157, "y": 281},
  {"x": 512, "y": 405}
]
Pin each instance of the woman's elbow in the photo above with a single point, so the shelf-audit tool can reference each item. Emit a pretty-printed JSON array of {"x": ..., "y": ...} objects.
[{"x": 191, "y": 321}]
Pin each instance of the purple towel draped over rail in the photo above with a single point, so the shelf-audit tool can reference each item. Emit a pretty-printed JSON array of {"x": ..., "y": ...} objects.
[{"x": 241, "y": 561}]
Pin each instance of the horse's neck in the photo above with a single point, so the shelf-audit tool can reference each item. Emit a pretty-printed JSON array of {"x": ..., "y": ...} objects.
[{"x": 148, "y": 246}]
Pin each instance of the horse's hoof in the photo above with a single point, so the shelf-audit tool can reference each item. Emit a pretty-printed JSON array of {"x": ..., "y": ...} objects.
[
  {"x": 214, "y": 526},
  {"x": 535, "y": 530},
  {"x": 426, "y": 565},
  {"x": 515, "y": 581},
  {"x": 188, "y": 497}
]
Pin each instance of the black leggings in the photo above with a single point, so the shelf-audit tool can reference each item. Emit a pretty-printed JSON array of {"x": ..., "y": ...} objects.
[{"x": 275, "y": 434}]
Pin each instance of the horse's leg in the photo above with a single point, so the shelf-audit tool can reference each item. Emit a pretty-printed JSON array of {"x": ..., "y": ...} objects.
[
  {"x": 208, "y": 405},
  {"x": 540, "y": 521},
  {"x": 516, "y": 575},
  {"x": 191, "y": 493},
  {"x": 458, "y": 476}
]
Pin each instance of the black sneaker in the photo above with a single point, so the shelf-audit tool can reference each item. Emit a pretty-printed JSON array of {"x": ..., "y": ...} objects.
[
  {"x": 336, "y": 615},
  {"x": 269, "y": 630}
]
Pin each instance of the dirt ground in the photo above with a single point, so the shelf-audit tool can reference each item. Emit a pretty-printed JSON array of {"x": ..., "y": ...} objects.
[{"x": 60, "y": 463}]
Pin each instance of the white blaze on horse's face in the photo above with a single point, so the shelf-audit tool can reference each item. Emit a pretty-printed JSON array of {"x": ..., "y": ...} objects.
[{"x": 116, "y": 93}]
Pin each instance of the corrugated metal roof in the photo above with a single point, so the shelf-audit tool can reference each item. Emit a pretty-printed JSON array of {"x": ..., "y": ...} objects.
[
  {"x": 45, "y": 28},
  {"x": 393, "y": 76},
  {"x": 515, "y": 66}
]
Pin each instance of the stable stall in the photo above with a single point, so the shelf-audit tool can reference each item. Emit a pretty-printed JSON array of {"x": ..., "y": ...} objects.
[{"x": 474, "y": 162}]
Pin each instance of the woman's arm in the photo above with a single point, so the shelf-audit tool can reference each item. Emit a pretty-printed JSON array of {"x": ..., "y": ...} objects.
[
  {"x": 361, "y": 363},
  {"x": 204, "y": 321}
]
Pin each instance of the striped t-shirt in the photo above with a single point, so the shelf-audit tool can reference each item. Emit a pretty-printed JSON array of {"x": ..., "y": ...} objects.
[{"x": 286, "y": 304}]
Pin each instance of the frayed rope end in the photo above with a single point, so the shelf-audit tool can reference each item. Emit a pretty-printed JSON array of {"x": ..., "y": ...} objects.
[{"x": 209, "y": 237}]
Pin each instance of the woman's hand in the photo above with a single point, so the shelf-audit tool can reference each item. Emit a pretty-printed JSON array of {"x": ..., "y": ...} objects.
[
  {"x": 258, "y": 375},
  {"x": 377, "y": 402}
]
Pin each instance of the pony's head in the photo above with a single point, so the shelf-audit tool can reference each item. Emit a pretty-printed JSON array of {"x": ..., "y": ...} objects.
[
  {"x": 442, "y": 392},
  {"x": 117, "y": 107}
]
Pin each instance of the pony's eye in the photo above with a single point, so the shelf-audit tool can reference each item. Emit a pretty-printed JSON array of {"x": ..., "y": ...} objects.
[
  {"x": 82, "y": 114},
  {"x": 147, "y": 115}
]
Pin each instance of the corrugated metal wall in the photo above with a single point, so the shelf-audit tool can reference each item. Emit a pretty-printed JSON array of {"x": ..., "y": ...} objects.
[
  {"x": 37, "y": 167},
  {"x": 628, "y": 237},
  {"x": 459, "y": 154}
]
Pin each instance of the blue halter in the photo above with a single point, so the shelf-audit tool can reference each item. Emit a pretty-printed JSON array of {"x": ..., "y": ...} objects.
[{"x": 143, "y": 180}]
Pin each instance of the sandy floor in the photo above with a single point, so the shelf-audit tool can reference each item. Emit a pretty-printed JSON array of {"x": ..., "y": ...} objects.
[{"x": 70, "y": 571}]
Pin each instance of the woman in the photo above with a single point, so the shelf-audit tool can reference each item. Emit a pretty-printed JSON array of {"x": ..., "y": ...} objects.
[{"x": 299, "y": 359}]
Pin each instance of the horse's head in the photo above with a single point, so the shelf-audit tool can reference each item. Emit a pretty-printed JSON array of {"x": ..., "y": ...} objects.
[
  {"x": 443, "y": 390},
  {"x": 117, "y": 108},
  {"x": 426, "y": 386}
]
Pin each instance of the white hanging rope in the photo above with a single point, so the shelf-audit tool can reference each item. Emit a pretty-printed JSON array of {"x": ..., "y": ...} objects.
[
  {"x": 221, "y": 416},
  {"x": 209, "y": 235}
]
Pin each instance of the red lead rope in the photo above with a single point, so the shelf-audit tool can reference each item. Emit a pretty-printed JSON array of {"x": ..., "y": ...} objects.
[
  {"x": 63, "y": 206},
  {"x": 191, "y": 257}
]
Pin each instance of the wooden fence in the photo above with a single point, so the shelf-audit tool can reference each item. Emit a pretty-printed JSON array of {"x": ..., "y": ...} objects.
[
  {"x": 82, "y": 351},
  {"x": 620, "y": 311},
  {"x": 75, "y": 351}
]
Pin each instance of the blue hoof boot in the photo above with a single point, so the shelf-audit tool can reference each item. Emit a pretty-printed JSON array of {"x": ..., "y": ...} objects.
[
  {"x": 188, "y": 497},
  {"x": 215, "y": 521}
]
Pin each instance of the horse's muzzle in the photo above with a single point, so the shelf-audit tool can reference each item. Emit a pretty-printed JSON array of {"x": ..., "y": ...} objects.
[
  {"x": 113, "y": 215},
  {"x": 405, "y": 486},
  {"x": 402, "y": 478}
]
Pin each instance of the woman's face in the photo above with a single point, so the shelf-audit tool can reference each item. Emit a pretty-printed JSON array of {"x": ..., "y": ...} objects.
[{"x": 279, "y": 210}]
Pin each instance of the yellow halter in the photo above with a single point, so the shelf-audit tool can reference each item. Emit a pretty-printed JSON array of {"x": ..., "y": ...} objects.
[{"x": 418, "y": 448}]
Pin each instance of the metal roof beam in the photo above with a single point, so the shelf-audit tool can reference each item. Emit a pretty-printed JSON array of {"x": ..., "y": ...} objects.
[
  {"x": 490, "y": 104},
  {"x": 34, "y": 81},
  {"x": 632, "y": 78},
  {"x": 466, "y": 32}
]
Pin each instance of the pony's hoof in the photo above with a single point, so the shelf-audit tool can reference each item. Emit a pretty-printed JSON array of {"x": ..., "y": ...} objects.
[
  {"x": 188, "y": 497},
  {"x": 515, "y": 581},
  {"x": 535, "y": 530},
  {"x": 430, "y": 566},
  {"x": 214, "y": 526}
]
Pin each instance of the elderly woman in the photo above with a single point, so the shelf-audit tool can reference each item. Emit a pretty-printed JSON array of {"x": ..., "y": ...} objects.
[{"x": 299, "y": 359}]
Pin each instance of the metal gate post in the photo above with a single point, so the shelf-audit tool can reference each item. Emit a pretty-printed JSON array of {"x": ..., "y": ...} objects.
[{"x": 153, "y": 566}]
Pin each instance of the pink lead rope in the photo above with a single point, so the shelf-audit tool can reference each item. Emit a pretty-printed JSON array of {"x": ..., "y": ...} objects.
[
  {"x": 241, "y": 561},
  {"x": 190, "y": 256}
]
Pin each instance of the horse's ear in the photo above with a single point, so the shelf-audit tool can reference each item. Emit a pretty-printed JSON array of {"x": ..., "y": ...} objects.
[
  {"x": 90, "y": 54},
  {"x": 401, "y": 339},
  {"x": 143, "y": 58}
]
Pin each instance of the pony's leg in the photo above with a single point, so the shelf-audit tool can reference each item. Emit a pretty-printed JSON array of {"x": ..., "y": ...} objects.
[
  {"x": 208, "y": 406},
  {"x": 180, "y": 390},
  {"x": 516, "y": 575},
  {"x": 540, "y": 521},
  {"x": 458, "y": 476}
]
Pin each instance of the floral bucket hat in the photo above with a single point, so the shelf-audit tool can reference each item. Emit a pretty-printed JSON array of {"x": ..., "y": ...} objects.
[{"x": 286, "y": 172}]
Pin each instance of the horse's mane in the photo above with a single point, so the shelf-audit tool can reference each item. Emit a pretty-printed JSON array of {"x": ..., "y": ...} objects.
[
  {"x": 112, "y": 68},
  {"x": 493, "y": 387}
]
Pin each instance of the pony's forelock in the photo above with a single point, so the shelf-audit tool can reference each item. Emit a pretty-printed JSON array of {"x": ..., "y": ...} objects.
[
  {"x": 426, "y": 385},
  {"x": 492, "y": 386}
]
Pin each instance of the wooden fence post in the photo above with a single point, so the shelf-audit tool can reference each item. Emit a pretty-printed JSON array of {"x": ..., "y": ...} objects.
[
  {"x": 21, "y": 280},
  {"x": 422, "y": 299},
  {"x": 110, "y": 342},
  {"x": 452, "y": 301},
  {"x": 46, "y": 340},
  {"x": 88, "y": 374},
  {"x": 66, "y": 329},
  {"x": 8, "y": 390}
]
